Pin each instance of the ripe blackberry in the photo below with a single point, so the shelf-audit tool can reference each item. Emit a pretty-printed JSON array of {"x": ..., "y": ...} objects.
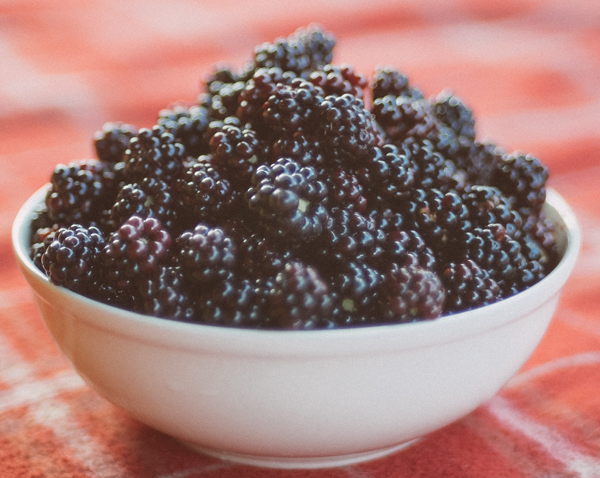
[
  {"x": 205, "y": 255},
  {"x": 288, "y": 199},
  {"x": 318, "y": 43},
  {"x": 221, "y": 73},
  {"x": 262, "y": 256},
  {"x": 406, "y": 248},
  {"x": 452, "y": 112},
  {"x": 79, "y": 191},
  {"x": 348, "y": 129},
  {"x": 359, "y": 287},
  {"x": 480, "y": 162},
  {"x": 112, "y": 141},
  {"x": 432, "y": 170},
  {"x": 345, "y": 190},
  {"x": 258, "y": 89},
  {"x": 300, "y": 298},
  {"x": 389, "y": 81},
  {"x": 189, "y": 126},
  {"x": 70, "y": 260},
  {"x": 388, "y": 173},
  {"x": 150, "y": 198},
  {"x": 204, "y": 193},
  {"x": 305, "y": 149},
  {"x": 237, "y": 152},
  {"x": 43, "y": 237},
  {"x": 487, "y": 205},
  {"x": 136, "y": 250},
  {"x": 223, "y": 99},
  {"x": 543, "y": 231},
  {"x": 163, "y": 294},
  {"x": 339, "y": 80},
  {"x": 410, "y": 294},
  {"x": 468, "y": 286},
  {"x": 401, "y": 117},
  {"x": 522, "y": 178},
  {"x": 154, "y": 152},
  {"x": 293, "y": 107}
]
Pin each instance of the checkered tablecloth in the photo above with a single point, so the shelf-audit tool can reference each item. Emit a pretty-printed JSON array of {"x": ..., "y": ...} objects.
[{"x": 530, "y": 70}]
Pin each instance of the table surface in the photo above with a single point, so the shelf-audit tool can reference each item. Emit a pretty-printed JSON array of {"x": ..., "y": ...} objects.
[{"x": 529, "y": 69}]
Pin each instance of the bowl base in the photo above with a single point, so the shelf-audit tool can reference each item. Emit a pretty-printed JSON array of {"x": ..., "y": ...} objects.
[{"x": 300, "y": 462}]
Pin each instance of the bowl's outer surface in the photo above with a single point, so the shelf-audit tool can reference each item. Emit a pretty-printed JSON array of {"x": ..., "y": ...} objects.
[{"x": 298, "y": 395}]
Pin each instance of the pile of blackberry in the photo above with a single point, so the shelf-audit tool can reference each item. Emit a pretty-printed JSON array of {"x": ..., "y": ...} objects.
[{"x": 296, "y": 193}]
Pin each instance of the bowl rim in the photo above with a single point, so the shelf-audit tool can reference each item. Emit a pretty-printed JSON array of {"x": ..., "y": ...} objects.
[{"x": 352, "y": 340}]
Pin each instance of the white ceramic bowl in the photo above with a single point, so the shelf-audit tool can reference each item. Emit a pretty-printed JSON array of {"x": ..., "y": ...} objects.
[{"x": 298, "y": 398}]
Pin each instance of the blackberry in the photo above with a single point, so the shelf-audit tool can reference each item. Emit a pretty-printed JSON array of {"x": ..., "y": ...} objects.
[
  {"x": 43, "y": 238},
  {"x": 406, "y": 248},
  {"x": 163, "y": 294},
  {"x": 79, "y": 191},
  {"x": 389, "y": 81},
  {"x": 236, "y": 152},
  {"x": 432, "y": 170},
  {"x": 293, "y": 107},
  {"x": 258, "y": 90},
  {"x": 318, "y": 43},
  {"x": 480, "y": 162},
  {"x": 204, "y": 193},
  {"x": 452, "y": 112},
  {"x": 221, "y": 73},
  {"x": 223, "y": 99},
  {"x": 151, "y": 198},
  {"x": 487, "y": 205},
  {"x": 303, "y": 148},
  {"x": 359, "y": 288},
  {"x": 543, "y": 232},
  {"x": 154, "y": 152},
  {"x": 349, "y": 131},
  {"x": 262, "y": 256},
  {"x": 339, "y": 80},
  {"x": 300, "y": 298},
  {"x": 389, "y": 172},
  {"x": 522, "y": 178},
  {"x": 346, "y": 191},
  {"x": 410, "y": 294},
  {"x": 468, "y": 286},
  {"x": 70, "y": 260},
  {"x": 136, "y": 250},
  {"x": 401, "y": 117},
  {"x": 189, "y": 126},
  {"x": 112, "y": 141},
  {"x": 288, "y": 199},
  {"x": 205, "y": 254}
]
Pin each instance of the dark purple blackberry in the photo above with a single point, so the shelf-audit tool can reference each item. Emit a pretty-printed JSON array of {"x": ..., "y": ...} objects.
[
  {"x": 487, "y": 205},
  {"x": 300, "y": 298},
  {"x": 204, "y": 194},
  {"x": 406, "y": 248},
  {"x": 302, "y": 52},
  {"x": 522, "y": 178},
  {"x": 359, "y": 287},
  {"x": 389, "y": 81},
  {"x": 150, "y": 198},
  {"x": 237, "y": 152},
  {"x": 305, "y": 149},
  {"x": 79, "y": 191},
  {"x": 480, "y": 162},
  {"x": 468, "y": 286},
  {"x": 410, "y": 294},
  {"x": 339, "y": 80},
  {"x": 345, "y": 191},
  {"x": 387, "y": 173},
  {"x": 154, "y": 152},
  {"x": 401, "y": 117},
  {"x": 163, "y": 294},
  {"x": 543, "y": 231},
  {"x": 71, "y": 259},
  {"x": 112, "y": 141},
  {"x": 206, "y": 255},
  {"x": 350, "y": 132},
  {"x": 262, "y": 256},
  {"x": 42, "y": 238},
  {"x": 136, "y": 250},
  {"x": 432, "y": 170},
  {"x": 221, "y": 73},
  {"x": 293, "y": 107},
  {"x": 452, "y": 112},
  {"x": 288, "y": 199},
  {"x": 258, "y": 90},
  {"x": 189, "y": 126},
  {"x": 223, "y": 99}
]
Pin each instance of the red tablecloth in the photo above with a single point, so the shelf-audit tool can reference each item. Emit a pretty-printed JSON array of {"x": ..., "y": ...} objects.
[{"x": 530, "y": 69}]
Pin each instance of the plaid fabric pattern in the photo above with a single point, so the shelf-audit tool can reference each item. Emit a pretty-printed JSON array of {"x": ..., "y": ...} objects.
[{"x": 529, "y": 69}]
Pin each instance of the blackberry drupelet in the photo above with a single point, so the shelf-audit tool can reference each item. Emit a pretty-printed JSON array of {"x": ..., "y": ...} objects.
[
  {"x": 293, "y": 107},
  {"x": 468, "y": 286},
  {"x": 206, "y": 255},
  {"x": 134, "y": 251},
  {"x": 71, "y": 259},
  {"x": 288, "y": 199},
  {"x": 154, "y": 152},
  {"x": 112, "y": 141},
  {"x": 300, "y": 298},
  {"x": 339, "y": 80},
  {"x": 163, "y": 294},
  {"x": 410, "y": 294},
  {"x": 189, "y": 126}
]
